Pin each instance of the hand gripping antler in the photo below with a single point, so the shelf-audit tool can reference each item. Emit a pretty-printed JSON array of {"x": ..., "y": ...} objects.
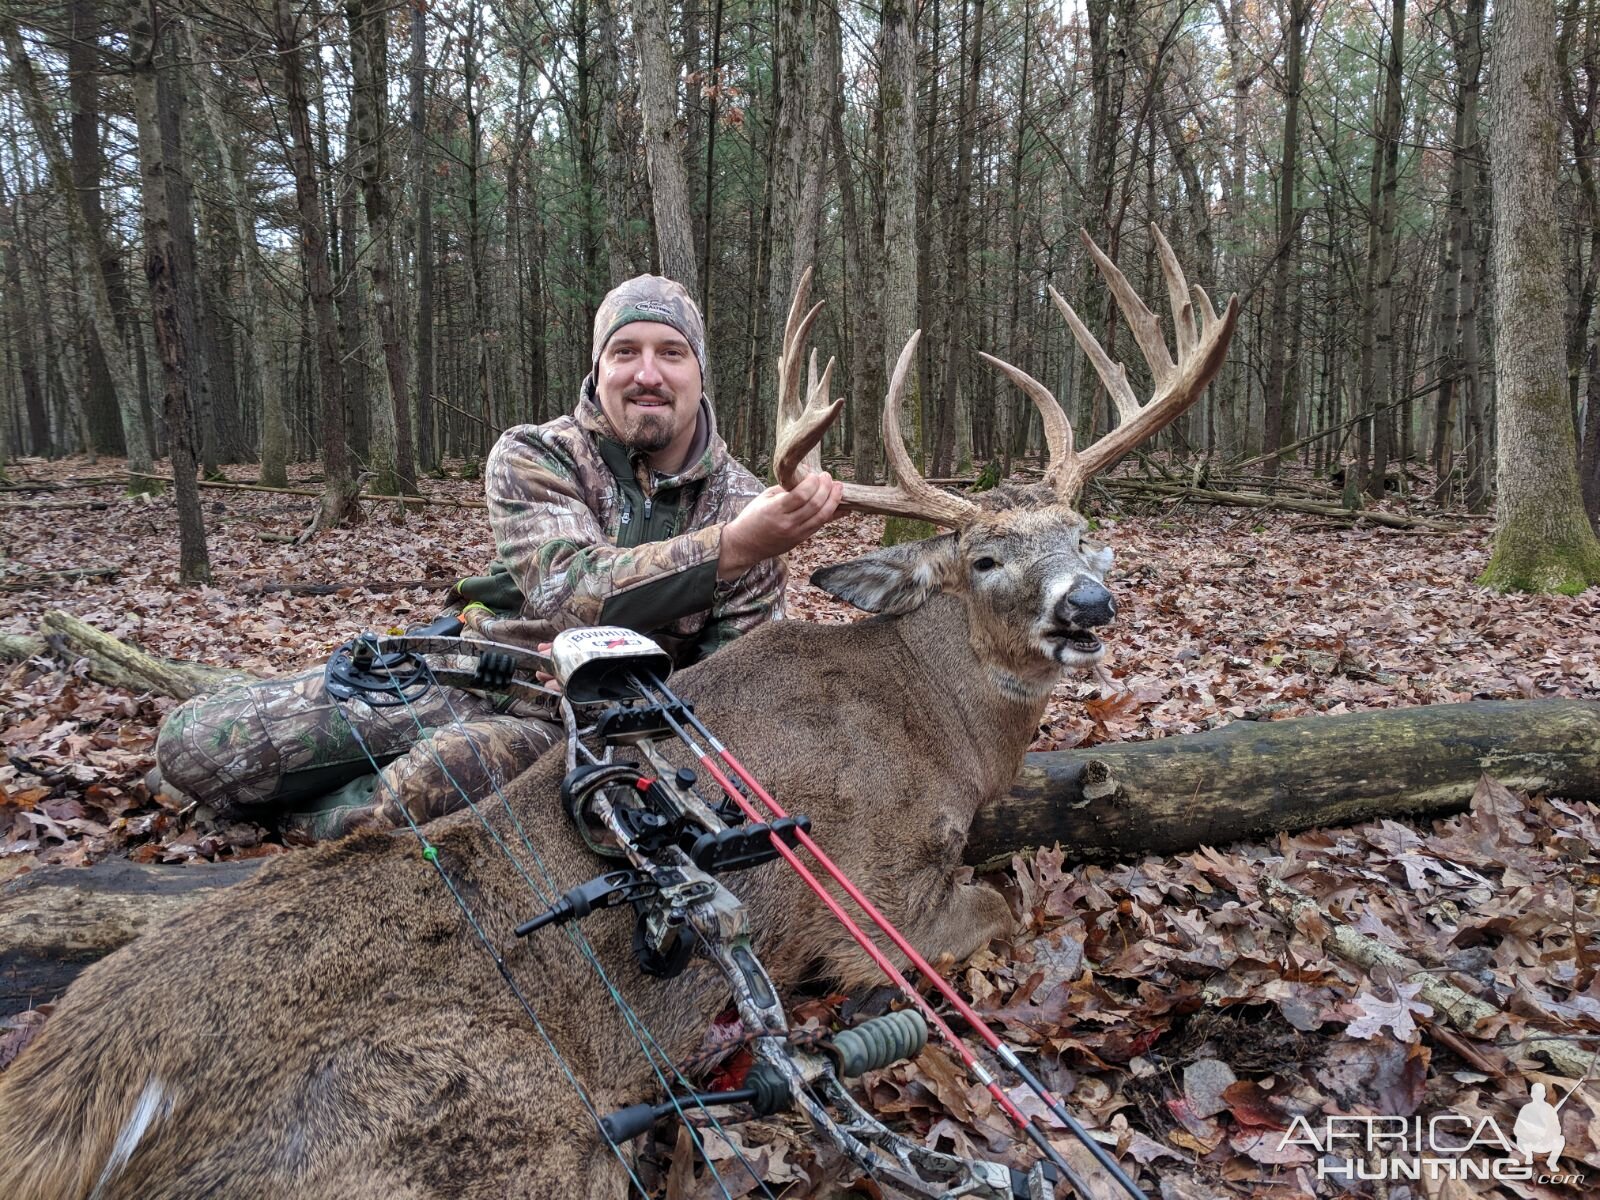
[{"x": 1177, "y": 384}]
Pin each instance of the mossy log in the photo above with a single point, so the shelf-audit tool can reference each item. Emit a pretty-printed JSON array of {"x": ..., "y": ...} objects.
[
  {"x": 1254, "y": 778},
  {"x": 116, "y": 663},
  {"x": 58, "y": 920}
]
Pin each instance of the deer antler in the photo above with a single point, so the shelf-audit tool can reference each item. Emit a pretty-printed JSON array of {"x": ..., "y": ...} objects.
[
  {"x": 800, "y": 429},
  {"x": 1177, "y": 384},
  {"x": 801, "y": 426}
]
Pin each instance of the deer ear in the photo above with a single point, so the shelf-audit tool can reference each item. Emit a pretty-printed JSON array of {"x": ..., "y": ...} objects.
[{"x": 893, "y": 580}]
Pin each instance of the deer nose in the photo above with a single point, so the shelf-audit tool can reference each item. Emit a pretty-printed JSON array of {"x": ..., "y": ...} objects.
[{"x": 1087, "y": 604}]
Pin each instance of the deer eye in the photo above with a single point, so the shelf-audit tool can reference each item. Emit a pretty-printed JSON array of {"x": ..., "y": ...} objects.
[{"x": 984, "y": 564}]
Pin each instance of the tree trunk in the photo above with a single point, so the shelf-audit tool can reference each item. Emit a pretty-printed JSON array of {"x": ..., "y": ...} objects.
[
  {"x": 88, "y": 176},
  {"x": 169, "y": 290},
  {"x": 1279, "y": 401},
  {"x": 1475, "y": 217},
  {"x": 816, "y": 84},
  {"x": 897, "y": 175},
  {"x": 866, "y": 340},
  {"x": 1171, "y": 796},
  {"x": 1543, "y": 540},
  {"x": 478, "y": 301},
  {"x": 1446, "y": 335},
  {"x": 20, "y": 325},
  {"x": 1387, "y": 165},
  {"x": 193, "y": 324},
  {"x": 339, "y": 489},
  {"x": 618, "y": 175},
  {"x": 369, "y": 64},
  {"x": 422, "y": 183},
  {"x": 959, "y": 251},
  {"x": 1583, "y": 354},
  {"x": 262, "y": 382},
  {"x": 785, "y": 159},
  {"x": 663, "y": 144}
]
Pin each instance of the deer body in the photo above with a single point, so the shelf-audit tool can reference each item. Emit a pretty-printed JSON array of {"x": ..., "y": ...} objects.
[{"x": 332, "y": 1028}]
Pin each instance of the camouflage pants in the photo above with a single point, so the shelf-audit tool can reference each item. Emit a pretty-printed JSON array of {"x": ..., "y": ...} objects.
[{"x": 285, "y": 750}]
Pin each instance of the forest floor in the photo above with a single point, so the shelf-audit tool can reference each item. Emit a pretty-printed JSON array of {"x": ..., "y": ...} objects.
[{"x": 1181, "y": 1019}]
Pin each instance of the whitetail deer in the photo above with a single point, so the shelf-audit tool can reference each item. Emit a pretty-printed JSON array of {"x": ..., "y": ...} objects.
[{"x": 332, "y": 1029}]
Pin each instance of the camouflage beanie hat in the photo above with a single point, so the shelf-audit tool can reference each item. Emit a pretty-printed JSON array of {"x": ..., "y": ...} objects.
[{"x": 650, "y": 298}]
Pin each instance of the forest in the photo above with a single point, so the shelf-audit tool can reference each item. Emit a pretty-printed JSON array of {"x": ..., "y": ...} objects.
[
  {"x": 275, "y": 275},
  {"x": 385, "y": 229}
]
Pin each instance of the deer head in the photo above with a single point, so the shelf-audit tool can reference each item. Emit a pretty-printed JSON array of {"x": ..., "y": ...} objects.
[{"x": 1018, "y": 557}]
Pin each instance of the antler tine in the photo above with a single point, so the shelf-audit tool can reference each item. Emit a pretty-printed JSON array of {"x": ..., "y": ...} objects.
[
  {"x": 1178, "y": 293},
  {"x": 1195, "y": 371},
  {"x": 1064, "y": 472},
  {"x": 1113, "y": 374},
  {"x": 1202, "y": 346},
  {"x": 801, "y": 426},
  {"x": 796, "y": 330},
  {"x": 801, "y": 433},
  {"x": 1141, "y": 321},
  {"x": 912, "y": 495}
]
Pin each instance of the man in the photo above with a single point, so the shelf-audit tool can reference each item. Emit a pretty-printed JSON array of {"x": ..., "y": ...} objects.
[{"x": 630, "y": 511}]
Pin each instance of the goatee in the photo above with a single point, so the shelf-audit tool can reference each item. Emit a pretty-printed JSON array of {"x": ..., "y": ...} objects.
[{"x": 647, "y": 430}]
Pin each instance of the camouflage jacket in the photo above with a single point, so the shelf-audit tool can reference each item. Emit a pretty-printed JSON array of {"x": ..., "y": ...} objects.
[{"x": 588, "y": 534}]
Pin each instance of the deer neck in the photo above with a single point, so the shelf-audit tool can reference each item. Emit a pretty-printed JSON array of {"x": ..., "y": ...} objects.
[{"x": 999, "y": 710}]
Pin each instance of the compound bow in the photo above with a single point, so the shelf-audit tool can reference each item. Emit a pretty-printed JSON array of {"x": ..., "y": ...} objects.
[{"x": 677, "y": 845}]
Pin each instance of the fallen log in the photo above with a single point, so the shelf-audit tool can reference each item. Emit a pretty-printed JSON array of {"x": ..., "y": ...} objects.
[
  {"x": 116, "y": 663},
  {"x": 39, "y": 579},
  {"x": 333, "y": 587},
  {"x": 1248, "y": 779},
  {"x": 1450, "y": 1004},
  {"x": 1252, "y": 778},
  {"x": 58, "y": 920},
  {"x": 229, "y": 486},
  {"x": 51, "y": 506},
  {"x": 1155, "y": 488}
]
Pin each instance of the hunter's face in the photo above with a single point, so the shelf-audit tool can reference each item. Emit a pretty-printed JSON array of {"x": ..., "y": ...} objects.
[{"x": 649, "y": 385}]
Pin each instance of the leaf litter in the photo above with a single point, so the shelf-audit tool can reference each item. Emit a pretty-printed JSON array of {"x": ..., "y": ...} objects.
[{"x": 1186, "y": 1025}]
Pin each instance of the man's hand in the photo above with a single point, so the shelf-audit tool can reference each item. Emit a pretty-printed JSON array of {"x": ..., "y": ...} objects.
[{"x": 777, "y": 521}]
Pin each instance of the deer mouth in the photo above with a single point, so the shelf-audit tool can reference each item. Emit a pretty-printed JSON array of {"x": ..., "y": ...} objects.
[{"x": 1071, "y": 645}]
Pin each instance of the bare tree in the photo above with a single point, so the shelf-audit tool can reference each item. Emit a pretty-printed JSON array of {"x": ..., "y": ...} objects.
[
  {"x": 897, "y": 174},
  {"x": 169, "y": 292},
  {"x": 1279, "y": 398},
  {"x": 1543, "y": 541},
  {"x": 102, "y": 316},
  {"x": 339, "y": 487},
  {"x": 369, "y": 64},
  {"x": 663, "y": 144}
]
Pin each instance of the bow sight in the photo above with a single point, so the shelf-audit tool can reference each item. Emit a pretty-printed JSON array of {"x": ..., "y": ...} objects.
[{"x": 676, "y": 849}]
